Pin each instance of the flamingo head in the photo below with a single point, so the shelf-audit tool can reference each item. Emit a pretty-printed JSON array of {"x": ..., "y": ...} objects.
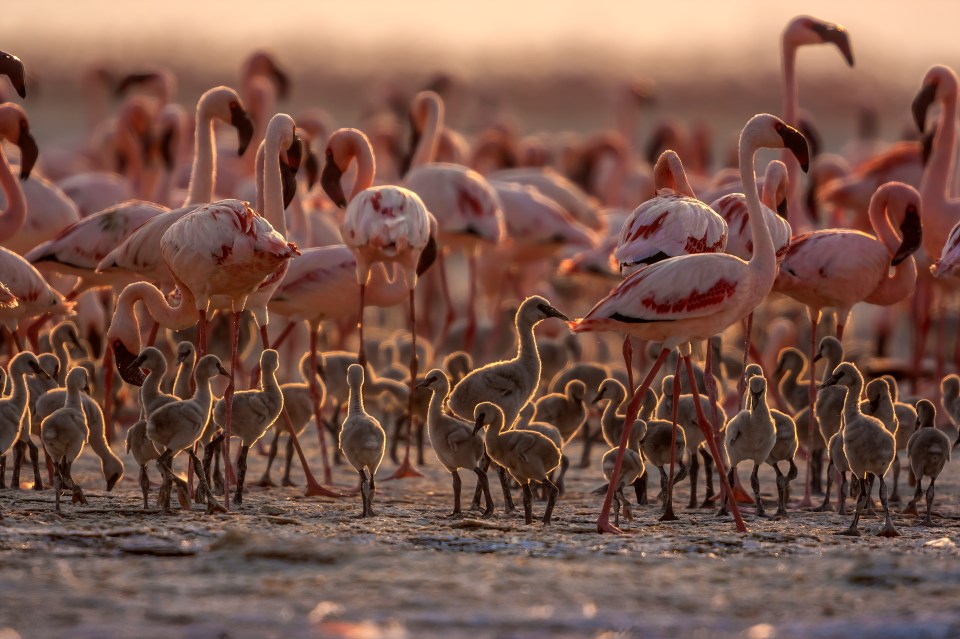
[
  {"x": 290, "y": 161},
  {"x": 846, "y": 374},
  {"x": 432, "y": 379},
  {"x": 926, "y": 414},
  {"x": 907, "y": 200},
  {"x": 185, "y": 350},
  {"x": 262, "y": 63},
  {"x": 808, "y": 30},
  {"x": 15, "y": 128},
  {"x": 12, "y": 67},
  {"x": 486, "y": 413},
  {"x": 342, "y": 147},
  {"x": 877, "y": 391},
  {"x": 939, "y": 82},
  {"x": 758, "y": 388},
  {"x": 769, "y": 131}
]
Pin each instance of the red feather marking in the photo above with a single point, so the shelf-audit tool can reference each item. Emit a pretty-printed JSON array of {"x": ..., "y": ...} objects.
[
  {"x": 225, "y": 251},
  {"x": 468, "y": 202},
  {"x": 646, "y": 230},
  {"x": 715, "y": 295},
  {"x": 699, "y": 245}
]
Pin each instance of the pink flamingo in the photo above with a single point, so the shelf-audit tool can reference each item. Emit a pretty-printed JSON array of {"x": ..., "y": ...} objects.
[
  {"x": 140, "y": 252},
  {"x": 15, "y": 128},
  {"x": 838, "y": 268},
  {"x": 387, "y": 224},
  {"x": 694, "y": 297},
  {"x": 33, "y": 295},
  {"x": 7, "y": 299},
  {"x": 673, "y": 223},
  {"x": 801, "y": 31},
  {"x": 12, "y": 67},
  {"x": 466, "y": 207}
]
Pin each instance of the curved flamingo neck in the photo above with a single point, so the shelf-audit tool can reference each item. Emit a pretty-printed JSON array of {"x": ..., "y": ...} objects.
[
  {"x": 429, "y": 137},
  {"x": 203, "y": 174},
  {"x": 934, "y": 186},
  {"x": 773, "y": 185},
  {"x": 359, "y": 148},
  {"x": 791, "y": 106},
  {"x": 125, "y": 325},
  {"x": 13, "y": 217},
  {"x": 880, "y": 221},
  {"x": 764, "y": 257},
  {"x": 258, "y": 177},
  {"x": 669, "y": 173},
  {"x": 355, "y": 402},
  {"x": 272, "y": 189},
  {"x": 151, "y": 385},
  {"x": 851, "y": 403},
  {"x": 181, "y": 384}
]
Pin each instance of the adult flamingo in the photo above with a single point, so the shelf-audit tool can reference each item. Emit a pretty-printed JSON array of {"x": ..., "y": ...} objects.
[
  {"x": 34, "y": 296},
  {"x": 801, "y": 31},
  {"x": 694, "y": 297},
  {"x": 140, "y": 252},
  {"x": 466, "y": 207},
  {"x": 838, "y": 268},
  {"x": 672, "y": 223},
  {"x": 12, "y": 67},
  {"x": 388, "y": 224},
  {"x": 15, "y": 128}
]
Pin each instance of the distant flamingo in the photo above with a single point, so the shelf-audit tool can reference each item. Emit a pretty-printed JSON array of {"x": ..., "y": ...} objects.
[
  {"x": 693, "y": 297},
  {"x": 382, "y": 224},
  {"x": 466, "y": 207},
  {"x": 801, "y": 31},
  {"x": 838, "y": 268}
]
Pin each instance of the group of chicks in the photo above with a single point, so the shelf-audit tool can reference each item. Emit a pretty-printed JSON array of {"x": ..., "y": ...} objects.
[{"x": 526, "y": 434}]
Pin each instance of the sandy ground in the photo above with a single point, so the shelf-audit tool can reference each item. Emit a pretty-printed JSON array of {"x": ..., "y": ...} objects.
[{"x": 282, "y": 565}]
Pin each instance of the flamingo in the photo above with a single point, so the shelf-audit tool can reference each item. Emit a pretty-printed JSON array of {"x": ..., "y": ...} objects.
[
  {"x": 837, "y": 268},
  {"x": 467, "y": 209},
  {"x": 12, "y": 67},
  {"x": 693, "y": 297},
  {"x": 387, "y": 224},
  {"x": 15, "y": 128},
  {"x": 34, "y": 296},
  {"x": 801, "y": 31},
  {"x": 140, "y": 252}
]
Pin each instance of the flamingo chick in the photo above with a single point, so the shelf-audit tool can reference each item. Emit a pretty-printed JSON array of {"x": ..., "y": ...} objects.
[
  {"x": 362, "y": 439},
  {"x": 64, "y": 433}
]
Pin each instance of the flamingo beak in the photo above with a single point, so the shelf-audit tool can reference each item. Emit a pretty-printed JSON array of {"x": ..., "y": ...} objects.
[
  {"x": 222, "y": 370},
  {"x": 312, "y": 167},
  {"x": 288, "y": 172},
  {"x": 831, "y": 381},
  {"x": 12, "y": 67},
  {"x": 166, "y": 148},
  {"x": 414, "y": 143},
  {"x": 330, "y": 181},
  {"x": 281, "y": 79},
  {"x": 113, "y": 481},
  {"x": 39, "y": 371},
  {"x": 794, "y": 140},
  {"x": 818, "y": 357},
  {"x": 922, "y": 103},
  {"x": 244, "y": 126},
  {"x": 427, "y": 256},
  {"x": 125, "y": 359},
  {"x": 912, "y": 233},
  {"x": 29, "y": 152},
  {"x": 478, "y": 424},
  {"x": 837, "y": 36},
  {"x": 138, "y": 362},
  {"x": 926, "y": 145},
  {"x": 181, "y": 357},
  {"x": 596, "y": 400},
  {"x": 553, "y": 312}
]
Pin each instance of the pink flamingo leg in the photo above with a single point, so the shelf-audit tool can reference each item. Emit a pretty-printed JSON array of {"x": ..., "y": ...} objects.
[
  {"x": 16, "y": 340},
  {"x": 741, "y": 383},
  {"x": 202, "y": 334},
  {"x": 708, "y": 431},
  {"x": 255, "y": 373},
  {"x": 406, "y": 469},
  {"x": 362, "y": 352},
  {"x": 108, "y": 367},
  {"x": 228, "y": 404},
  {"x": 152, "y": 337},
  {"x": 921, "y": 313},
  {"x": 628, "y": 361},
  {"x": 603, "y": 521},
  {"x": 313, "y": 487},
  {"x": 471, "y": 331},
  {"x": 445, "y": 289},
  {"x": 668, "y": 498},
  {"x": 284, "y": 334},
  {"x": 806, "y": 502}
]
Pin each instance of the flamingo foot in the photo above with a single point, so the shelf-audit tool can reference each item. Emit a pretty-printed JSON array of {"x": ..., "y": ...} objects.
[
  {"x": 889, "y": 530},
  {"x": 911, "y": 509},
  {"x": 315, "y": 489},
  {"x": 604, "y": 526},
  {"x": 405, "y": 470}
]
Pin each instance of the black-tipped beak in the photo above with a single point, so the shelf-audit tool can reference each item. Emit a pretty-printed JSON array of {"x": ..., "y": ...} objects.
[
  {"x": 281, "y": 79},
  {"x": 782, "y": 205},
  {"x": 926, "y": 145},
  {"x": 125, "y": 359},
  {"x": 912, "y": 233},
  {"x": 330, "y": 181},
  {"x": 552, "y": 312},
  {"x": 794, "y": 140},
  {"x": 288, "y": 179},
  {"x": 29, "y": 152},
  {"x": 12, "y": 67},
  {"x": 39, "y": 371},
  {"x": 831, "y": 381},
  {"x": 427, "y": 256},
  {"x": 138, "y": 362},
  {"x": 167, "y": 137},
  {"x": 817, "y": 357},
  {"x": 596, "y": 400},
  {"x": 921, "y": 104},
  {"x": 222, "y": 370},
  {"x": 423, "y": 384},
  {"x": 244, "y": 126},
  {"x": 181, "y": 357},
  {"x": 295, "y": 152},
  {"x": 874, "y": 404},
  {"x": 477, "y": 424},
  {"x": 837, "y": 36},
  {"x": 312, "y": 167},
  {"x": 113, "y": 481}
]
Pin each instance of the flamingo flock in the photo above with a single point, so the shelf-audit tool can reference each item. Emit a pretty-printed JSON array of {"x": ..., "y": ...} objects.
[{"x": 257, "y": 272}]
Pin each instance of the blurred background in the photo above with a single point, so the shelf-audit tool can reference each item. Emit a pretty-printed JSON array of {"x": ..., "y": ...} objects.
[{"x": 551, "y": 65}]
